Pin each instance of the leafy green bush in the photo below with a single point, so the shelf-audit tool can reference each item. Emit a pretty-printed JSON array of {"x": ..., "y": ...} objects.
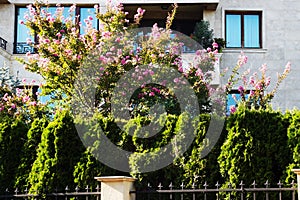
[
  {"x": 256, "y": 147},
  {"x": 293, "y": 134},
  {"x": 12, "y": 138},
  {"x": 58, "y": 152}
]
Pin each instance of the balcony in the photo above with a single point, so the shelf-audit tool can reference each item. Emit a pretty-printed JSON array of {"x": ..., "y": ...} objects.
[
  {"x": 211, "y": 4},
  {"x": 23, "y": 48},
  {"x": 3, "y": 43}
]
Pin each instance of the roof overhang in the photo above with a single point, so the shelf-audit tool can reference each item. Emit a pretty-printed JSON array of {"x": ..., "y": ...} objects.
[
  {"x": 4, "y": 1},
  {"x": 209, "y": 4}
]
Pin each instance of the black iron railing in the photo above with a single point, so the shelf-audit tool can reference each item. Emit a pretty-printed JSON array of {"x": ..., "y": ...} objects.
[
  {"x": 77, "y": 194},
  {"x": 23, "y": 48},
  {"x": 242, "y": 193},
  {"x": 3, "y": 43}
]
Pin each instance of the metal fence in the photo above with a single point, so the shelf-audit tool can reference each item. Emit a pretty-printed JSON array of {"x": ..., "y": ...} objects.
[
  {"x": 205, "y": 193},
  {"x": 77, "y": 194},
  {"x": 3, "y": 43}
]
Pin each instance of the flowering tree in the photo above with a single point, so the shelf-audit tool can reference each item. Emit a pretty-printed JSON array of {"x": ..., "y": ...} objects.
[
  {"x": 61, "y": 50},
  {"x": 254, "y": 89}
]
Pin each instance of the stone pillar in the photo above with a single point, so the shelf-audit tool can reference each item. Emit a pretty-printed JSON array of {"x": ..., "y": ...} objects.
[
  {"x": 116, "y": 187},
  {"x": 297, "y": 171}
]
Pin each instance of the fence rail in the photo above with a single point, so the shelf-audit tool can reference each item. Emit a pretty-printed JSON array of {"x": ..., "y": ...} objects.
[
  {"x": 78, "y": 195},
  {"x": 242, "y": 193}
]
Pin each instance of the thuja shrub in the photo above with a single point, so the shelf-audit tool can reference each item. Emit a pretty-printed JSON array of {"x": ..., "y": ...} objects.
[
  {"x": 12, "y": 137},
  {"x": 29, "y": 151},
  {"x": 293, "y": 134},
  {"x": 57, "y": 154},
  {"x": 256, "y": 147}
]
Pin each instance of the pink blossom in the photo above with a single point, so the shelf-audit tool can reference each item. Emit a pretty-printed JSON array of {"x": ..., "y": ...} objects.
[
  {"x": 287, "y": 67},
  {"x": 90, "y": 18},
  {"x": 140, "y": 11},
  {"x": 72, "y": 8},
  {"x": 106, "y": 34},
  {"x": 232, "y": 109},
  {"x": 199, "y": 72},
  {"x": 22, "y": 22},
  {"x": 268, "y": 81},
  {"x": 25, "y": 99},
  {"x": 263, "y": 68},
  {"x": 208, "y": 49},
  {"x": 96, "y": 6},
  {"x": 251, "y": 80},
  {"x": 151, "y": 94},
  {"x": 28, "y": 40},
  {"x": 252, "y": 93},
  {"x": 33, "y": 103},
  {"x": 215, "y": 45},
  {"x": 13, "y": 106},
  {"x": 47, "y": 41},
  {"x": 123, "y": 61},
  {"x": 50, "y": 19},
  {"x": 176, "y": 80},
  {"x": 241, "y": 89},
  {"x": 234, "y": 97},
  {"x": 1, "y": 108}
]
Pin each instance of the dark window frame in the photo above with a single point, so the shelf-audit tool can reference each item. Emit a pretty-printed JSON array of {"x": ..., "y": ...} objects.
[
  {"x": 77, "y": 12},
  {"x": 242, "y": 14}
]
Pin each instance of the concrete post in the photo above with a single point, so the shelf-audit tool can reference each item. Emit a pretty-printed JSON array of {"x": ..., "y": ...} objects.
[
  {"x": 116, "y": 187},
  {"x": 297, "y": 171}
]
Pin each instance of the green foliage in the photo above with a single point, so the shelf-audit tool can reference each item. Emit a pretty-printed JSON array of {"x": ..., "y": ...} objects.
[
  {"x": 12, "y": 138},
  {"x": 29, "y": 152},
  {"x": 293, "y": 134},
  {"x": 59, "y": 151},
  {"x": 203, "y": 34},
  {"x": 255, "y": 148}
]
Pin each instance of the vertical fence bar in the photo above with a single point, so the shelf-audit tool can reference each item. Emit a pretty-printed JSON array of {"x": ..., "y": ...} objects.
[
  {"x": 7, "y": 193},
  {"x": 159, "y": 188},
  {"x": 280, "y": 193},
  {"x": 182, "y": 186},
  {"x": 267, "y": 184},
  {"x": 242, "y": 190},
  {"x": 254, "y": 186},
  {"x": 149, "y": 188},
  {"x": 66, "y": 190},
  {"x": 193, "y": 187},
  {"x": 217, "y": 193},
  {"x": 171, "y": 188},
  {"x": 76, "y": 191},
  {"x": 98, "y": 190},
  {"x": 229, "y": 187},
  {"x": 26, "y": 192},
  {"x": 205, "y": 188},
  {"x": 293, "y": 193},
  {"x": 87, "y": 191}
]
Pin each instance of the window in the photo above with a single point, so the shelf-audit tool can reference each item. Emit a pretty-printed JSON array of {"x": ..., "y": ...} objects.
[
  {"x": 243, "y": 29},
  {"x": 23, "y": 33}
]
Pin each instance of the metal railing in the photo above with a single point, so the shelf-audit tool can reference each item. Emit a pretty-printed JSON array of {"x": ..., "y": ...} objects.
[
  {"x": 77, "y": 194},
  {"x": 23, "y": 48},
  {"x": 3, "y": 43},
  {"x": 242, "y": 193}
]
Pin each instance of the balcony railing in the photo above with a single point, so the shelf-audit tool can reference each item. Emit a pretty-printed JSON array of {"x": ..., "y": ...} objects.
[
  {"x": 3, "y": 43},
  {"x": 23, "y": 48}
]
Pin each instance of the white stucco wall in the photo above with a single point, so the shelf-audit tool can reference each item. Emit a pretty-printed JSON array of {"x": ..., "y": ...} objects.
[{"x": 281, "y": 39}]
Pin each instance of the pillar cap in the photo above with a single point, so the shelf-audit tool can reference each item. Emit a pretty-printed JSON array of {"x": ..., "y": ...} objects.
[
  {"x": 296, "y": 171},
  {"x": 115, "y": 179}
]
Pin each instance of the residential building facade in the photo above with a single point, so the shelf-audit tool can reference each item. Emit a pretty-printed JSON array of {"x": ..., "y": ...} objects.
[{"x": 266, "y": 31}]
